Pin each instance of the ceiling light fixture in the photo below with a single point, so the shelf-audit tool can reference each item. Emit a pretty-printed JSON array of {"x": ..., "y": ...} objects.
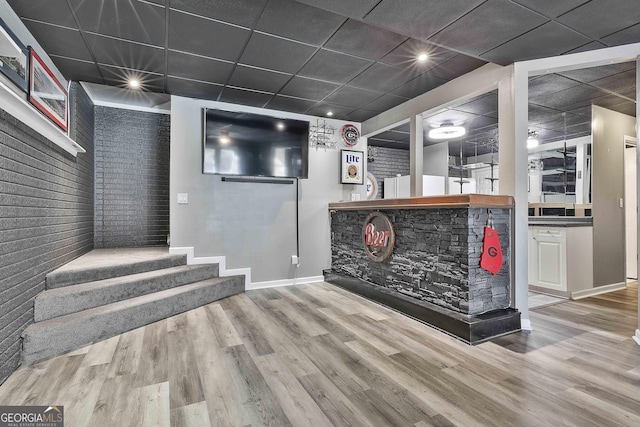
[
  {"x": 134, "y": 83},
  {"x": 224, "y": 137},
  {"x": 280, "y": 126},
  {"x": 422, "y": 56},
  {"x": 532, "y": 139},
  {"x": 329, "y": 113},
  {"x": 447, "y": 132}
]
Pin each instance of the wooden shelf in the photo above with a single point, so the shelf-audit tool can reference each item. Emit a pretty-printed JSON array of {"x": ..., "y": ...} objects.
[{"x": 19, "y": 108}]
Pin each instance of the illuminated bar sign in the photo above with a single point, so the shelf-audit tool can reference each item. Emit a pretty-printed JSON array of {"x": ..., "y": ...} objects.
[{"x": 378, "y": 236}]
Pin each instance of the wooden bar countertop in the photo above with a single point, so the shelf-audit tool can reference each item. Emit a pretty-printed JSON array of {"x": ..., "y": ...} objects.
[{"x": 445, "y": 201}]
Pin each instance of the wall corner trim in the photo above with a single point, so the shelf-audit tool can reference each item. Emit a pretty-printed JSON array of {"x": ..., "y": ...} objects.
[
  {"x": 220, "y": 260},
  {"x": 13, "y": 104},
  {"x": 525, "y": 325},
  {"x": 598, "y": 290},
  {"x": 636, "y": 337}
]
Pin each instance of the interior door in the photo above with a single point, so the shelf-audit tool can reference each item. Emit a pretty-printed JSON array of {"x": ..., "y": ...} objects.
[{"x": 631, "y": 209}]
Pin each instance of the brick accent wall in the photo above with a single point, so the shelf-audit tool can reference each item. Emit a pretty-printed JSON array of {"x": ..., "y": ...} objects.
[
  {"x": 436, "y": 257},
  {"x": 46, "y": 215},
  {"x": 132, "y": 178},
  {"x": 387, "y": 163}
]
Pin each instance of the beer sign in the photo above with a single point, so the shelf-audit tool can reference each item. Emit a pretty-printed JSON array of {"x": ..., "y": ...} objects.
[
  {"x": 378, "y": 237},
  {"x": 350, "y": 135},
  {"x": 351, "y": 167}
]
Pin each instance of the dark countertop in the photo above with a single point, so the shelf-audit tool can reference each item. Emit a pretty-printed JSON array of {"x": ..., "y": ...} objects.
[{"x": 561, "y": 221}]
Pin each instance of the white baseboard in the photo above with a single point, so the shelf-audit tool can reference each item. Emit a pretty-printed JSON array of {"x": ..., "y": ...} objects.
[
  {"x": 285, "y": 282},
  {"x": 636, "y": 337},
  {"x": 525, "y": 325},
  {"x": 598, "y": 290},
  {"x": 220, "y": 260},
  {"x": 246, "y": 272}
]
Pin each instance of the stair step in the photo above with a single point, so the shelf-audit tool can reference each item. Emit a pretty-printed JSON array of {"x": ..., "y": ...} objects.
[
  {"x": 55, "y": 336},
  {"x": 99, "y": 264},
  {"x": 73, "y": 298}
]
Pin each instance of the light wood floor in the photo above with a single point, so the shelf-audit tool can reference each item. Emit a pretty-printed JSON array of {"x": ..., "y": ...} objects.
[{"x": 316, "y": 355}]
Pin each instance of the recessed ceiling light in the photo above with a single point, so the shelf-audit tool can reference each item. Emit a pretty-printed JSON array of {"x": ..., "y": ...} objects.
[
  {"x": 447, "y": 132},
  {"x": 280, "y": 126},
  {"x": 134, "y": 83},
  {"x": 423, "y": 56},
  {"x": 329, "y": 113}
]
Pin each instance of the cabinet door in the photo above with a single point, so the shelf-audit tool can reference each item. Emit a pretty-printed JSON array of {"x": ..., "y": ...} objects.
[{"x": 552, "y": 259}]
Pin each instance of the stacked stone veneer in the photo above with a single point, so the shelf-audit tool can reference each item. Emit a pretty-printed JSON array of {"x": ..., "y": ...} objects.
[{"x": 436, "y": 257}]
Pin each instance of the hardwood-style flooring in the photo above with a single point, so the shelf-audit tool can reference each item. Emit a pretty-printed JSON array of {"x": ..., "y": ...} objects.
[{"x": 316, "y": 355}]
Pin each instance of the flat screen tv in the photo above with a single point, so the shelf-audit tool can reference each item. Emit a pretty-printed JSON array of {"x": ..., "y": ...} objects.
[{"x": 246, "y": 144}]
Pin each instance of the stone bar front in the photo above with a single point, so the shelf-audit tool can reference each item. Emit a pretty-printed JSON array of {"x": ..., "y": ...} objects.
[{"x": 421, "y": 256}]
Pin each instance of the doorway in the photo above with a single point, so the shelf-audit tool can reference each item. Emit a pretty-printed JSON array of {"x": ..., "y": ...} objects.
[{"x": 631, "y": 207}]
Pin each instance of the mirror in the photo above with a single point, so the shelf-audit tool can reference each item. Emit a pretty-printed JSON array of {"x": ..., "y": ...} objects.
[{"x": 560, "y": 179}]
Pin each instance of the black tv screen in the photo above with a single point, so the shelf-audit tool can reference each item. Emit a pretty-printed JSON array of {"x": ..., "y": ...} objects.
[{"x": 237, "y": 143}]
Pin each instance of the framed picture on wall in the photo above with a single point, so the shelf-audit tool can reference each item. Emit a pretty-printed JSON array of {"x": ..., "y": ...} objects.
[
  {"x": 351, "y": 167},
  {"x": 46, "y": 92},
  {"x": 13, "y": 57}
]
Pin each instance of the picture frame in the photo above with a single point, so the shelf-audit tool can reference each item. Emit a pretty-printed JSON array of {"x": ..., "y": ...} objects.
[
  {"x": 46, "y": 93},
  {"x": 352, "y": 167},
  {"x": 14, "y": 57}
]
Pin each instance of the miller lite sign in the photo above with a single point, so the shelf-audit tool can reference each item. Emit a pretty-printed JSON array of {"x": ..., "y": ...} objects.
[{"x": 378, "y": 237}]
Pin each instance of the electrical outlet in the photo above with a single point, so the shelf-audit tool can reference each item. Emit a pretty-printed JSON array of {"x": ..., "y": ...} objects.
[
  {"x": 355, "y": 197},
  {"x": 294, "y": 260},
  {"x": 183, "y": 198}
]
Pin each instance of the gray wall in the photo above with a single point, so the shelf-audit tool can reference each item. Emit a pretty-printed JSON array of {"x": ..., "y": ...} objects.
[
  {"x": 388, "y": 162},
  {"x": 46, "y": 218},
  {"x": 609, "y": 129},
  {"x": 253, "y": 225},
  {"x": 132, "y": 178}
]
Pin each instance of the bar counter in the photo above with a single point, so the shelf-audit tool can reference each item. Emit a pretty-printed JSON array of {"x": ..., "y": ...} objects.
[
  {"x": 445, "y": 201},
  {"x": 421, "y": 256}
]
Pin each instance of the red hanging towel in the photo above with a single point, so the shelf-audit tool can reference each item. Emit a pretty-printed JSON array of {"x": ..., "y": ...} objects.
[{"x": 491, "y": 258}]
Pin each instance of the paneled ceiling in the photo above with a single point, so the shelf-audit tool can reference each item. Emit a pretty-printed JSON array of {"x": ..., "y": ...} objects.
[
  {"x": 355, "y": 58},
  {"x": 559, "y": 108}
]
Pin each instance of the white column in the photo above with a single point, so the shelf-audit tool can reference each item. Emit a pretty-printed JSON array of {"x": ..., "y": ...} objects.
[
  {"x": 513, "y": 159},
  {"x": 416, "y": 155},
  {"x": 637, "y": 335}
]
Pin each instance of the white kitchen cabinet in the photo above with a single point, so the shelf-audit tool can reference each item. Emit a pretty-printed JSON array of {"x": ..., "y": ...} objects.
[
  {"x": 560, "y": 259},
  {"x": 550, "y": 252}
]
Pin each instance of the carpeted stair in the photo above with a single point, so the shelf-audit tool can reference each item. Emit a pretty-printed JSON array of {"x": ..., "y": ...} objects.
[{"x": 86, "y": 304}]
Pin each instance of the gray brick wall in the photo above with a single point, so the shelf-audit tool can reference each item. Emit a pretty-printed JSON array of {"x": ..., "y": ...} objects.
[
  {"x": 46, "y": 215},
  {"x": 132, "y": 178},
  {"x": 436, "y": 256},
  {"x": 387, "y": 163}
]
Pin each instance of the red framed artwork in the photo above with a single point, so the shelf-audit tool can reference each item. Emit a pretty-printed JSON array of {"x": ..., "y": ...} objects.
[{"x": 46, "y": 93}]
